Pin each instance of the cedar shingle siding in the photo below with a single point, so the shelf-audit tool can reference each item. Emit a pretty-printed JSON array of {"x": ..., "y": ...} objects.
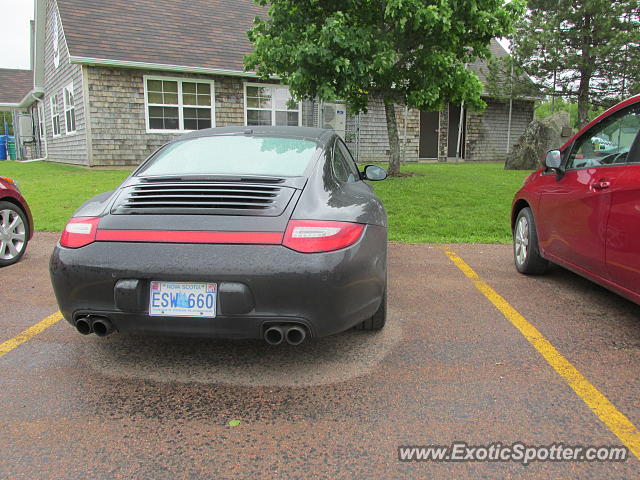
[
  {"x": 168, "y": 38},
  {"x": 487, "y": 132},
  {"x": 64, "y": 148},
  {"x": 119, "y": 135}
]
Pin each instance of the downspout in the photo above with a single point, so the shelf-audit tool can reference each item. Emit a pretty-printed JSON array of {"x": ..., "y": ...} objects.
[
  {"x": 404, "y": 140},
  {"x": 358, "y": 138},
  {"x": 510, "y": 111},
  {"x": 16, "y": 135},
  {"x": 460, "y": 126}
]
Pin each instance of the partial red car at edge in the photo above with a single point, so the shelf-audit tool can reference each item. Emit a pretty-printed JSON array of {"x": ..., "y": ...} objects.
[
  {"x": 16, "y": 222},
  {"x": 581, "y": 210}
]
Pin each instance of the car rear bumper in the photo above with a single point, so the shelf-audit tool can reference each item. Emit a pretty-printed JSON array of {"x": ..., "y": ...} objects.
[{"x": 258, "y": 285}]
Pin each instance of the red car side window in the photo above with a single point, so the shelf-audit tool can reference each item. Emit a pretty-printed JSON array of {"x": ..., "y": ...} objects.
[{"x": 608, "y": 142}]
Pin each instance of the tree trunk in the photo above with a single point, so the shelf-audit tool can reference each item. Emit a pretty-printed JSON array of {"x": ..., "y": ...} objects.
[
  {"x": 586, "y": 68},
  {"x": 394, "y": 139},
  {"x": 583, "y": 99}
]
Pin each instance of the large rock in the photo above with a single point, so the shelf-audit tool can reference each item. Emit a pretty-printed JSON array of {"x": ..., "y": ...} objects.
[{"x": 540, "y": 136}]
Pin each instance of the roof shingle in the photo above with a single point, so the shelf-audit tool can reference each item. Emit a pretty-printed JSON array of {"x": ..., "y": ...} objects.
[
  {"x": 14, "y": 84},
  {"x": 191, "y": 33}
]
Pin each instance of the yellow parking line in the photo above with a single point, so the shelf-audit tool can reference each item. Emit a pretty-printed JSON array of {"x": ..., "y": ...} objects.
[
  {"x": 29, "y": 333},
  {"x": 620, "y": 425}
]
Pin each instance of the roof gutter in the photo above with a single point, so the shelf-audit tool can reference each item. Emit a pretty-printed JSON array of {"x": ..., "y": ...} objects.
[
  {"x": 28, "y": 100},
  {"x": 74, "y": 59}
]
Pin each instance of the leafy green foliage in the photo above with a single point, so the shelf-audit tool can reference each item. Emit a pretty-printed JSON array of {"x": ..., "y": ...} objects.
[
  {"x": 546, "y": 108},
  {"x": 409, "y": 52},
  {"x": 587, "y": 50},
  {"x": 505, "y": 80}
]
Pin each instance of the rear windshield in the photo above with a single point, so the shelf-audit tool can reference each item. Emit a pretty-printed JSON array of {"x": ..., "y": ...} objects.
[{"x": 233, "y": 155}]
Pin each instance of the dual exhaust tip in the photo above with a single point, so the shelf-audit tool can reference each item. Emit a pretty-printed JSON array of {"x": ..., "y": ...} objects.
[
  {"x": 274, "y": 335},
  {"x": 101, "y": 326},
  {"x": 293, "y": 335}
]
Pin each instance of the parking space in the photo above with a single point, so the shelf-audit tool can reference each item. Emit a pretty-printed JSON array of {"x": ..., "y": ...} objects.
[{"x": 448, "y": 367}]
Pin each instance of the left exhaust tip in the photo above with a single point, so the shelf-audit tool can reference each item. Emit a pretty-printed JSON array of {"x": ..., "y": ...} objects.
[
  {"x": 84, "y": 326},
  {"x": 274, "y": 335}
]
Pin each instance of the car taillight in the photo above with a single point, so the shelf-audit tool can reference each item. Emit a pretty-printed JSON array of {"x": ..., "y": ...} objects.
[
  {"x": 314, "y": 236},
  {"x": 79, "y": 232}
]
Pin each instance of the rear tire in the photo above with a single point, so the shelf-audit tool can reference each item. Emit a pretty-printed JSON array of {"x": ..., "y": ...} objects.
[
  {"x": 526, "y": 253},
  {"x": 378, "y": 320},
  {"x": 14, "y": 233}
]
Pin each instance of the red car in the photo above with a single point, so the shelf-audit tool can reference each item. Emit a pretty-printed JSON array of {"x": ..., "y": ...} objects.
[
  {"x": 16, "y": 222},
  {"x": 581, "y": 210}
]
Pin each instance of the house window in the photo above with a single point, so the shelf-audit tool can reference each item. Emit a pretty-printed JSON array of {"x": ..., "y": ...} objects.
[
  {"x": 55, "y": 38},
  {"x": 270, "y": 105},
  {"x": 69, "y": 109},
  {"x": 55, "y": 116},
  {"x": 176, "y": 105},
  {"x": 41, "y": 126}
]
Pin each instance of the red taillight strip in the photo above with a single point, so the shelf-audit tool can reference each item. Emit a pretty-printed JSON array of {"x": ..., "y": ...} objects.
[{"x": 156, "y": 236}]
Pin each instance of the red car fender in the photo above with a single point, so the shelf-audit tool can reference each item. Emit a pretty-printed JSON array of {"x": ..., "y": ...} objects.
[{"x": 9, "y": 193}]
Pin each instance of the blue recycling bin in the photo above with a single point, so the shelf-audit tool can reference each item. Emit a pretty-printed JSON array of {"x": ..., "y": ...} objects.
[{"x": 3, "y": 147}]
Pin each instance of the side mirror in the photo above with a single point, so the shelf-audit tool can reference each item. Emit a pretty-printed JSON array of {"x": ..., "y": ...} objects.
[
  {"x": 374, "y": 173},
  {"x": 553, "y": 160}
]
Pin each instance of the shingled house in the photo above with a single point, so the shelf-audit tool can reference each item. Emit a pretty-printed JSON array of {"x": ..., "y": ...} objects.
[{"x": 115, "y": 80}]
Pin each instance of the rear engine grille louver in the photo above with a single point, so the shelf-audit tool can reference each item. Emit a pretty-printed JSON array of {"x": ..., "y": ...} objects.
[{"x": 203, "y": 198}]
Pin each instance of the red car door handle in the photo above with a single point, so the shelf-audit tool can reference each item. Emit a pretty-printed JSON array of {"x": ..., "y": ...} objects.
[{"x": 601, "y": 184}]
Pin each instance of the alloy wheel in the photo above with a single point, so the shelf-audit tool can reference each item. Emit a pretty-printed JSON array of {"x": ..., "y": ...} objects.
[
  {"x": 522, "y": 240},
  {"x": 13, "y": 236}
]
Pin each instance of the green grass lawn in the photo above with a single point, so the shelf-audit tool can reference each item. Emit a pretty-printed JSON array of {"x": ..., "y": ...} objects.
[
  {"x": 55, "y": 191},
  {"x": 449, "y": 203}
]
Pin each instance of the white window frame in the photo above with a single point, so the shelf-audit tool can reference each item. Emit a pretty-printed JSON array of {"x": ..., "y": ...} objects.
[
  {"x": 55, "y": 37},
  {"x": 42, "y": 126},
  {"x": 67, "y": 108},
  {"x": 273, "y": 108},
  {"x": 53, "y": 102},
  {"x": 180, "y": 105}
]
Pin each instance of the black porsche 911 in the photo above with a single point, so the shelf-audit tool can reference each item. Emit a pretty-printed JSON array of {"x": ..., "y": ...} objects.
[{"x": 239, "y": 232}]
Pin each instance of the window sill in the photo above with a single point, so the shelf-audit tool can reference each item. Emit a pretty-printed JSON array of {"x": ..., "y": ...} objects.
[{"x": 179, "y": 132}]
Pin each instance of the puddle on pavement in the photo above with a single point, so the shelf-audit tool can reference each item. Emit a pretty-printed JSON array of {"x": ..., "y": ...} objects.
[{"x": 246, "y": 363}]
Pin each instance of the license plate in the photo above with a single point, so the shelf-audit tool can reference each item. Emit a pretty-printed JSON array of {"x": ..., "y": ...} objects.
[{"x": 183, "y": 299}]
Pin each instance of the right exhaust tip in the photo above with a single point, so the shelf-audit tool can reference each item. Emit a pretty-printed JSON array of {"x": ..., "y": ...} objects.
[
  {"x": 295, "y": 335},
  {"x": 274, "y": 335},
  {"x": 102, "y": 327}
]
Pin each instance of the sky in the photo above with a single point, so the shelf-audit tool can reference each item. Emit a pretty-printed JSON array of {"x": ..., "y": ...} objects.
[{"x": 14, "y": 50}]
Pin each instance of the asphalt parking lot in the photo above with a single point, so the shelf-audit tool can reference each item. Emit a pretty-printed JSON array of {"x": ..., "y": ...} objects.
[{"x": 448, "y": 367}]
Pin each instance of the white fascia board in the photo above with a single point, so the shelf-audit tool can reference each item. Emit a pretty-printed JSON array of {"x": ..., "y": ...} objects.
[
  {"x": 27, "y": 101},
  {"x": 74, "y": 59}
]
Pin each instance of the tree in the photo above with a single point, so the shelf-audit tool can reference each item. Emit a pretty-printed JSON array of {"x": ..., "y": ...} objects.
[
  {"x": 506, "y": 80},
  {"x": 408, "y": 52},
  {"x": 586, "y": 51},
  {"x": 547, "y": 108}
]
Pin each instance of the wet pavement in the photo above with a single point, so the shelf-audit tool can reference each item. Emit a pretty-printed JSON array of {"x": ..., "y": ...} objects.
[{"x": 448, "y": 367}]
